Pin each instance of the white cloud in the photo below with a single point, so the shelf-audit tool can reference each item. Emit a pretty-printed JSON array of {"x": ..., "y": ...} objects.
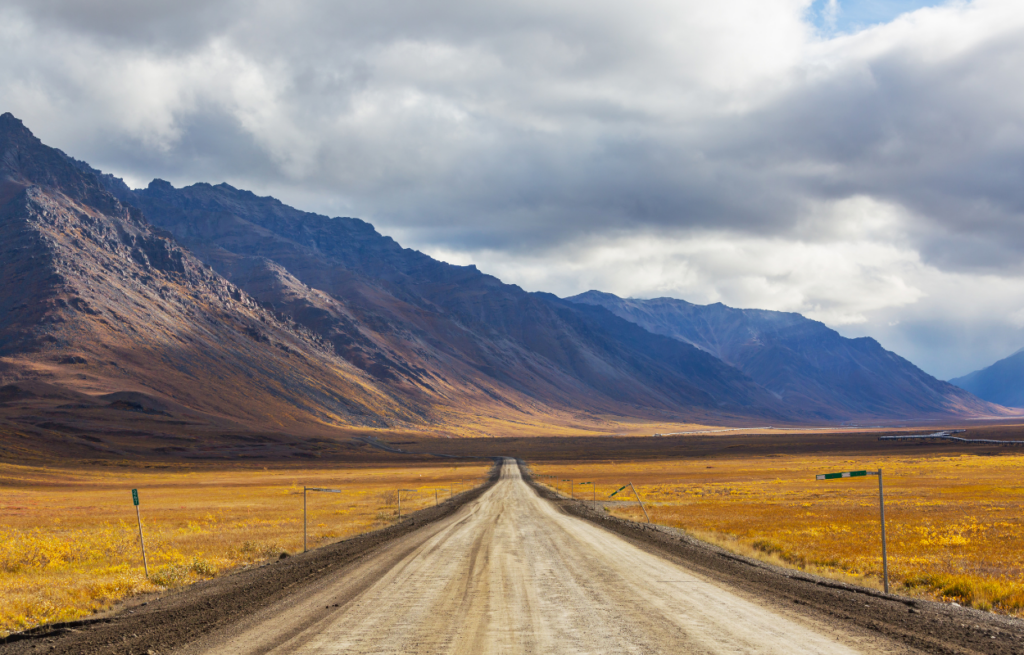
[
  {"x": 835, "y": 282},
  {"x": 714, "y": 151}
]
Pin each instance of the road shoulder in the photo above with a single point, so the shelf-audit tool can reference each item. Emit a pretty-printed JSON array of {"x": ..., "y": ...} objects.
[
  {"x": 917, "y": 625},
  {"x": 181, "y": 617}
]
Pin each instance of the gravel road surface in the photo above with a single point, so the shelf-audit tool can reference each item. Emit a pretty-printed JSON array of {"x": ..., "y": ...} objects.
[{"x": 511, "y": 573}]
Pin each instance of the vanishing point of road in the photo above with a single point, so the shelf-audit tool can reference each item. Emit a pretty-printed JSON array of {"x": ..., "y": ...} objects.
[{"x": 511, "y": 573}]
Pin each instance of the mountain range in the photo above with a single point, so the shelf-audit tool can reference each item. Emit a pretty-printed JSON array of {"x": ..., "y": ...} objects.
[
  {"x": 801, "y": 361},
  {"x": 1001, "y": 383},
  {"x": 210, "y": 310}
]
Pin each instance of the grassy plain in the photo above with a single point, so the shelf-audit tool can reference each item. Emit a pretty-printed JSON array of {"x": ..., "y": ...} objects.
[
  {"x": 69, "y": 541},
  {"x": 955, "y": 522}
]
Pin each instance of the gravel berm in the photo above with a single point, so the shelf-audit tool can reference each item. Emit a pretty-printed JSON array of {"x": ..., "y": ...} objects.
[
  {"x": 928, "y": 626},
  {"x": 180, "y": 617}
]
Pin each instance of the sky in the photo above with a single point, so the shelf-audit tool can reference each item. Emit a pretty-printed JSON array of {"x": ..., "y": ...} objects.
[{"x": 858, "y": 162}]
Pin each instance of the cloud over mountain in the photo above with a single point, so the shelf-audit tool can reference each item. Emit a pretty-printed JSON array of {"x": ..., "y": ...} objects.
[{"x": 727, "y": 151}]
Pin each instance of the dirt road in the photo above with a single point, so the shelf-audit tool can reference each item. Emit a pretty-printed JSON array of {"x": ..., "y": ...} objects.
[{"x": 511, "y": 573}]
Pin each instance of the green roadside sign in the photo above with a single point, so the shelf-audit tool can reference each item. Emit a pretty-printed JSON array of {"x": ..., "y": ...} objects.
[
  {"x": 618, "y": 490},
  {"x": 845, "y": 474},
  {"x": 135, "y": 497}
]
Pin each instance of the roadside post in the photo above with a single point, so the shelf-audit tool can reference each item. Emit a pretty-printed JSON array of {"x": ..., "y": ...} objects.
[
  {"x": 595, "y": 492},
  {"x": 142, "y": 541},
  {"x": 881, "y": 511},
  {"x": 304, "y": 490},
  {"x": 640, "y": 501},
  {"x": 400, "y": 501},
  {"x": 435, "y": 497},
  {"x": 571, "y": 493}
]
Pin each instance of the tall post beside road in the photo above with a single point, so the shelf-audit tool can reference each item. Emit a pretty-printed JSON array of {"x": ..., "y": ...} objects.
[
  {"x": 142, "y": 540},
  {"x": 400, "y": 501},
  {"x": 593, "y": 488},
  {"x": 304, "y": 490},
  {"x": 640, "y": 501},
  {"x": 885, "y": 556},
  {"x": 881, "y": 512}
]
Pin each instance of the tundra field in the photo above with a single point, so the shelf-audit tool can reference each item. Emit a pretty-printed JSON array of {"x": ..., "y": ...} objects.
[
  {"x": 69, "y": 540},
  {"x": 955, "y": 522}
]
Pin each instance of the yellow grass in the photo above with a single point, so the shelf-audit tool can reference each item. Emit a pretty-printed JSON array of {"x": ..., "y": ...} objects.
[
  {"x": 955, "y": 523},
  {"x": 69, "y": 541}
]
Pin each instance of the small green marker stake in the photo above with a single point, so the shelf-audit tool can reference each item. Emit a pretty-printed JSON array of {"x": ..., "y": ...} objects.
[{"x": 138, "y": 515}]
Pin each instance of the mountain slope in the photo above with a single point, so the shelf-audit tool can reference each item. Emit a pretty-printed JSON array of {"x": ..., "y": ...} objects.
[
  {"x": 210, "y": 311},
  {"x": 802, "y": 361},
  {"x": 95, "y": 299},
  {"x": 455, "y": 318},
  {"x": 1001, "y": 383},
  {"x": 253, "y": 316}
]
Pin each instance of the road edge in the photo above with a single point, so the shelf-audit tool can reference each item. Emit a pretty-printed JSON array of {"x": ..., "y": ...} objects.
[
  {"x": 183, "y": 615},
  {"x": 930, "y": 626}
]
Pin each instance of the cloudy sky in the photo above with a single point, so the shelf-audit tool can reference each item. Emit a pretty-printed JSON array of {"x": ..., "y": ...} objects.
[{"x": 857, "y": 161}]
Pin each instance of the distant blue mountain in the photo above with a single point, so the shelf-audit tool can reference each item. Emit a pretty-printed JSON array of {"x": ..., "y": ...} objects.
[
  {"x": 1002, "y": 382},
  {"x": 803, "y": 362}
]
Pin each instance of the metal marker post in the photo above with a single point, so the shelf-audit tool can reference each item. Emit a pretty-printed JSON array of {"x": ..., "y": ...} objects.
[
  {"x": 138, "y": 515},
  {"x": 640, "y": 501},
  {"x": 400, "y": 501},
  {"x": 595, "y": 497},
  {"x": 881, "y": 512},
  {"x": 304, "y": 490},
  {"x": 885, "y": 555},
  {"x": 435, "y": 497}
]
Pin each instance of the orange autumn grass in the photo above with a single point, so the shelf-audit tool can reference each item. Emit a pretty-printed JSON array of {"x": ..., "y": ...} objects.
[
  {"x": 69, "y": 542},
  {"x": 955, "y": 524}
]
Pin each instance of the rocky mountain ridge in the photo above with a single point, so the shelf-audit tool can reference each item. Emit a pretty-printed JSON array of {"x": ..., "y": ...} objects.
[
  {"x": 211, "y": 309},
  {"x": 802, "y": 361}
]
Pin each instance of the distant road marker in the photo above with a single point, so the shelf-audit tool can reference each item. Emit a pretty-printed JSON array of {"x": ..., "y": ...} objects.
[
  {"x": 142, "y": 541},
  {"x": 304, "y": 490}
]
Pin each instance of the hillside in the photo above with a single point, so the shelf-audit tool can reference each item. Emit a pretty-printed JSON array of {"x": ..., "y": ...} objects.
[
  {"x": 804, "y": 362},
  {"x": 392, "y": 304},
  {"x": 228, "y": 324},
  {"x": 210, "y": 311},
  {"x": 1001, "y": 383}
]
